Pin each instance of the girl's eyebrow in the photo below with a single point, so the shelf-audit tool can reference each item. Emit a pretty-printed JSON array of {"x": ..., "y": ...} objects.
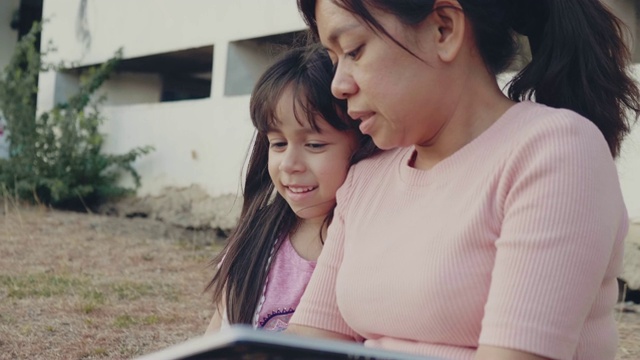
[
  {"x": 301, "y": 131},
  {"x": 308, "y": 131}
]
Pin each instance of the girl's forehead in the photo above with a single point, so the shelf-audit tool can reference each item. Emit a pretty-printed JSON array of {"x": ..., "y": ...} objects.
[
  {"x": 294, "y": 109},
  {"x": 301, "y": 123}
]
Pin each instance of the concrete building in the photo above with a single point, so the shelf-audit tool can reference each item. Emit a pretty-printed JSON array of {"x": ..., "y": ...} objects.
[
  {"x": 184, "y": 84},
  {"x": 185, "y": 81},
  {"x": 8, "y": 40}
]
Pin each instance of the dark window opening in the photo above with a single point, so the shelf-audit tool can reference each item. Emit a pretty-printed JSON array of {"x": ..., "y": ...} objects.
[
  {"x": 185, "y": 75},
  {"x": 164, "y": 77}
]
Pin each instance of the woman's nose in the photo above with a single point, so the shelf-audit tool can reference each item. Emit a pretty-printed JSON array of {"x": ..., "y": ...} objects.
[{"x": 343, "y": 84}]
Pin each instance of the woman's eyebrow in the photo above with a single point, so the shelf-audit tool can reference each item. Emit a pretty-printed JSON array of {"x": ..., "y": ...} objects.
[{"x": 335, "y": 34}]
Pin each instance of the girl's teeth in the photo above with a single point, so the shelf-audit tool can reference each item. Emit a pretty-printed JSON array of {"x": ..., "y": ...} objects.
[{"x": 300, "y": 190}]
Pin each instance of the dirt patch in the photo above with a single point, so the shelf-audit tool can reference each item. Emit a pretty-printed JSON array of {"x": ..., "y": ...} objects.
[
  {"x": 79, "y": 286},
  {"x": 190, "y": 208}
]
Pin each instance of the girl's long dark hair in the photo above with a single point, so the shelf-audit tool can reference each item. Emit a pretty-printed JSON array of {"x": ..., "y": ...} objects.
[
  {"x": 265, "y": 216},
  {"x": 579, "y": 56}
]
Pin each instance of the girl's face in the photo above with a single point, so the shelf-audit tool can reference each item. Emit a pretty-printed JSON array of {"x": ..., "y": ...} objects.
[
  {"x": 307, "y": 167},
  {"x": 393, "y": 93}
]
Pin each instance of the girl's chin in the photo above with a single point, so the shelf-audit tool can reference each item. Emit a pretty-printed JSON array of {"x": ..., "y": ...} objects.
[
  {"x": 313, "y": 214},
  {"x": 311, "y": 218}
]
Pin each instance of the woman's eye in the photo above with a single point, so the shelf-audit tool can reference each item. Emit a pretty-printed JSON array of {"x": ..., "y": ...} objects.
[{"x": 354, "y": 53}]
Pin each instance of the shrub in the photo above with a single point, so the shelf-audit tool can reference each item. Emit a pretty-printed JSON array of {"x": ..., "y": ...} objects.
[{"x": 56, "y": 157}]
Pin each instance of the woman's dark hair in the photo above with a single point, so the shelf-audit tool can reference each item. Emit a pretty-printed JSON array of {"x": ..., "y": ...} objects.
[
  {"x": 265, "y": 216},
  {"x": 579, "y": 57}
]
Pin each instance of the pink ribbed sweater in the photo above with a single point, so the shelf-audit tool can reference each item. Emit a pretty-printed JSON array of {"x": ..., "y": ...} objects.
[{"x": 515, "y": 241}]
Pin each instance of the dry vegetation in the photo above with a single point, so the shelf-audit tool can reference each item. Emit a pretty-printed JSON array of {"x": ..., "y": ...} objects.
[{"x": 78, "y": 286}]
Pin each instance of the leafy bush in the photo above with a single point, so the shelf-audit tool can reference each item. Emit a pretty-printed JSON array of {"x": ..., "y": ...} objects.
[{"x": 55, "y": 157}]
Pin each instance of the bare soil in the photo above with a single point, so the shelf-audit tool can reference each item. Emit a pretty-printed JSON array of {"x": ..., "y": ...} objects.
[{"x": 82, "y": 286}]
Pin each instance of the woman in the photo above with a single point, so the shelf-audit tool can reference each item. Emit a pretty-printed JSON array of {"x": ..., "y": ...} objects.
[{"x": 493, "y": 227}]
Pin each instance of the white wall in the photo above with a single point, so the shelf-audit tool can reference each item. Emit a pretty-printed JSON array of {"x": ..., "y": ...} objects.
[
  {"x": 629, "y": 165},
  {"x": 629, "y": 170},
  {"x": 145, "y": 27},
  {"x": 190, "y": 148}
]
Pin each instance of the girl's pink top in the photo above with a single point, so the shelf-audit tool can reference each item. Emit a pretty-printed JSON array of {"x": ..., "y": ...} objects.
[
  {"x": 513, "y": 241},
  {"x": 288, "y": 277}
]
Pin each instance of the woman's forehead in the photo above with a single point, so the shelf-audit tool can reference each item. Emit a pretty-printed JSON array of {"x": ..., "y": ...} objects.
[{"x": 333, "y": 20}]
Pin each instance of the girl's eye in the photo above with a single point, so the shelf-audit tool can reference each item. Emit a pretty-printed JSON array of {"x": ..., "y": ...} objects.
[
  {"x": 316, "y": 146},
  {"x": 277, "y": 145}
]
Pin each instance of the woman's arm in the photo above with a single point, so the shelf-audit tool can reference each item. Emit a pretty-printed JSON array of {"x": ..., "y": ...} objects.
[
  {"x": 559, "y": 244},
  {"x": 316, "y": 333},
  {"x": 486, "y": 352}
]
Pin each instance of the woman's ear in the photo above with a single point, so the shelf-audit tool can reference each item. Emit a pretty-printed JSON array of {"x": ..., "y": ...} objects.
[{"x": 450, "y": 20}]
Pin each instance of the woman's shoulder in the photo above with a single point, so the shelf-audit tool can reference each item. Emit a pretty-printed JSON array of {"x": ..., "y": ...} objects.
[
  {"x": 536, "y": 131},
  {"x": 538, "y": 125},
  {"x": 533, "y": 118}
]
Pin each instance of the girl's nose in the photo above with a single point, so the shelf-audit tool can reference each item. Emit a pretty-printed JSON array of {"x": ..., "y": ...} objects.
[
  {"x": 291, "y": 161},
  {"x": 343, "y": 85}
]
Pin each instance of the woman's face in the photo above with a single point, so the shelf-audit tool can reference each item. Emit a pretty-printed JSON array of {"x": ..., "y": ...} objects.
[{"x": 393, "y": 93}]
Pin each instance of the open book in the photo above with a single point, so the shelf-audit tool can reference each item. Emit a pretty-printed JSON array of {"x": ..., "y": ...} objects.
[{"x": 243, "y": 342}]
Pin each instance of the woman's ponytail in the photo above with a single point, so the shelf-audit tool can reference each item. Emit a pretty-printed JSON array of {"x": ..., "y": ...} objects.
[{"x": 580, "y": 62}]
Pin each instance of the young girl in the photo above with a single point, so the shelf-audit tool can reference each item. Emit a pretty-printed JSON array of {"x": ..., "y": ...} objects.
[
  {"x": 493, "y": 226},
  {"x": 304, "y": 146}
]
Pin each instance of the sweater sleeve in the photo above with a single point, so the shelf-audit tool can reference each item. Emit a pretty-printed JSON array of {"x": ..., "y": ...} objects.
[
  {"x": 563, "y": 216},
  {"x": 318, "y": 307}
]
